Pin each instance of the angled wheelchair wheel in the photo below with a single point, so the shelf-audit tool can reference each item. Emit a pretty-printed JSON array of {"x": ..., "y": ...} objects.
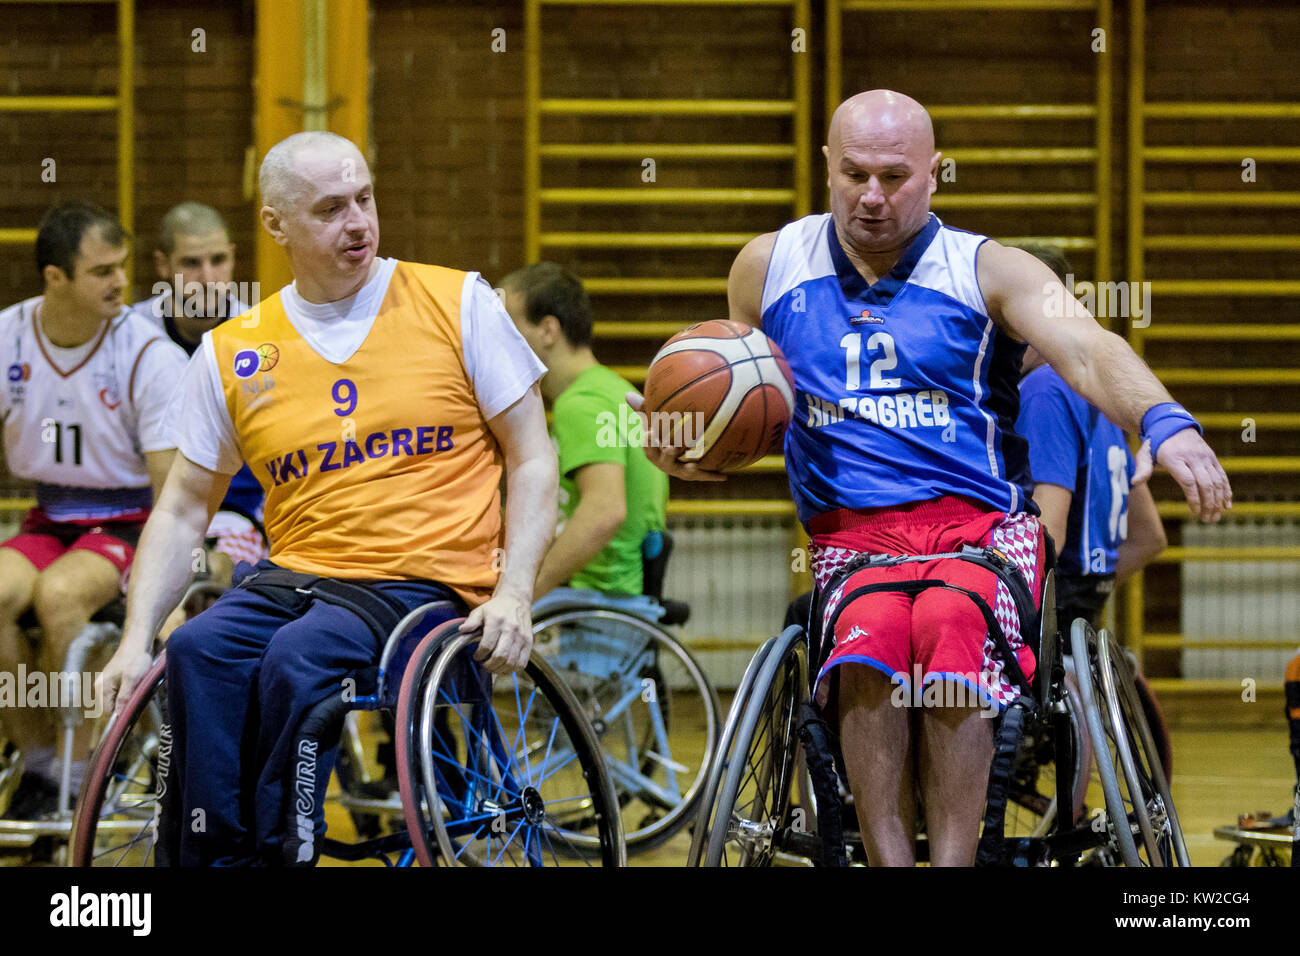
[
  {"x": 637, "y": 684},
  {"x": 1141, "y": 819},
  {"x": 117, "y": 815},
  {"x": 499, "y": 770},
  {"x": 752, "y": 810},
  {"x": 718, "y": 761}
]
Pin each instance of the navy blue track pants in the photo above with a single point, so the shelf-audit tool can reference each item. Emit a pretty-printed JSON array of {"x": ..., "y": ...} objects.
[{"x": 241, "y": 677}]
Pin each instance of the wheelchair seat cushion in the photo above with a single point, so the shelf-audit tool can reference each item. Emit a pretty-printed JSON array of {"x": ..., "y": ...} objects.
[{"x": 937, "y": 635}]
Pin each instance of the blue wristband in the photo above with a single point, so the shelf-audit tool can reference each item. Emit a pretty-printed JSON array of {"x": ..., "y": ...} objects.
[{"x": 1163, "y": 421}]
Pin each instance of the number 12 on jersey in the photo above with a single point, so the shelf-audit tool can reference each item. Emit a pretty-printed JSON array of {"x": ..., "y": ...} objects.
[{"x": 852, "y": 345}]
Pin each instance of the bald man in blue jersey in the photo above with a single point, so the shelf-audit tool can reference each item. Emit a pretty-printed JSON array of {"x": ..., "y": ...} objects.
[{"x": 905, "y": 338}]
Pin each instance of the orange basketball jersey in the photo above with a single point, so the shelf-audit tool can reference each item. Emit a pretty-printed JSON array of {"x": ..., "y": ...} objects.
[{"x": 380, "y": 467}]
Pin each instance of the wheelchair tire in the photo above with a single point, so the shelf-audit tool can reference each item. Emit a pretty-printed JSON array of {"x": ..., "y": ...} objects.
[
  {"x": 472, "y": 782},
  {"x": 1137, "y": 794},
  {"x": 1143, "y": 767},
  {"x": 718, "y": 762},
  {"x": 753, "y": 805},
  {"x": 657, "y": 789},
  {"x": 117, "y": 810}
]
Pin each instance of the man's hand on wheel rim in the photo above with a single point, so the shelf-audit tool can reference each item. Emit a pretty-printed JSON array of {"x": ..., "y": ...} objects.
[
  {"x": 118, "y": 678},
  {"x": 507, "y": 626}
]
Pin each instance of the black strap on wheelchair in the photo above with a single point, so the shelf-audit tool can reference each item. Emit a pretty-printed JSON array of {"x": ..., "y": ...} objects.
[
  {"x": 294, "y": 591},
  {"x": 168, "y": 845},
  {"x": 994, "y": 849},
  {"x": 815, "y": 736}
]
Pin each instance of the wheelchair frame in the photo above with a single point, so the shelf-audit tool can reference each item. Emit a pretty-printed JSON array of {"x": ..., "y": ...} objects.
[{"x": 1108, "y": 702}]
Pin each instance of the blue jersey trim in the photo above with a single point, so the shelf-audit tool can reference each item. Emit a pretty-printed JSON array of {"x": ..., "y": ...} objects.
[{"x": 887, "y": 286}]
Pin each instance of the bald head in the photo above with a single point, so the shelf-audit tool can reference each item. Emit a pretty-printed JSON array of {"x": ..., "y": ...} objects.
[
  {"x": 881, "y": 168},
  {"x": 292, "y": 165},
  {"x": 881, "y": 118},
  {"x": 319, "y": 204}
]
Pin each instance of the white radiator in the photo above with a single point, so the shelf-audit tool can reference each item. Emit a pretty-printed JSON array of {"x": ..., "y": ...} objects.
[
  {"x": 1241, "y": 600},
  {"x": 735, "y": 573}
]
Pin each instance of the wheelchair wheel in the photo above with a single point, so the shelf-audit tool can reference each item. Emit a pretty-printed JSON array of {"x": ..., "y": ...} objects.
[
  {"x": 1137, "y": 794},
  {"x": 499, "y": 770},
  {"x": 1032, "y": 808},
  {"x": 718, "y": 761},
  {"x": 636, "y": 683},
  {"x": 117, "y": 814},
  {"x": 753, "y": 806},
  {"x": 1155, "y": 718}
]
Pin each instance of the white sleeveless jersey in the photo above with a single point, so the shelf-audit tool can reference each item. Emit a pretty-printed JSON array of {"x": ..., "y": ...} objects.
[{"x": 80, "y": 425}]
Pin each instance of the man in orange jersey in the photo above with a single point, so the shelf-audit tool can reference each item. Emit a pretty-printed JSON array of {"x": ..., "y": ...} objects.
[{"x": 375, "y": 400}]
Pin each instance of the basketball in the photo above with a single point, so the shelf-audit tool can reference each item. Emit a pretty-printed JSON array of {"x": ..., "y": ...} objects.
[{"x": 722, "y": 390}]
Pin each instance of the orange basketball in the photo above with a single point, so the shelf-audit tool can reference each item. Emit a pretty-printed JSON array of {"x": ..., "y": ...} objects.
[{"x": 721, "y": 390}]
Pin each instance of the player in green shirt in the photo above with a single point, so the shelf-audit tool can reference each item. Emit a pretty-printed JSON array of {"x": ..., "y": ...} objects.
[{"x": 611, "y": 496}]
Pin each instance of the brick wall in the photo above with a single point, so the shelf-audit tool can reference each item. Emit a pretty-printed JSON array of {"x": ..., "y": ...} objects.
[{"x": 193, "y": 122}]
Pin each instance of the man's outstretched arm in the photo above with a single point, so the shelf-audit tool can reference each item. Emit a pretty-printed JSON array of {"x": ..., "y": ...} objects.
[{"x": 1030, "y": 302}]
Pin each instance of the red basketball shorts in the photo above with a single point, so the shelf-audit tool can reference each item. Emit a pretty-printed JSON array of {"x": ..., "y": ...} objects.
[
  {"x": 937, "y": 635},
  {"x": 41, "y": 541}
]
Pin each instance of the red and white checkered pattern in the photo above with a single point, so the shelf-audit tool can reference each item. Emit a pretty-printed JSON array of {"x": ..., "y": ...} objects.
[
  {"x": 825, "y": 562},
  {"x": 1017, "y": 538},
  {"x": 237, "y": 537}
]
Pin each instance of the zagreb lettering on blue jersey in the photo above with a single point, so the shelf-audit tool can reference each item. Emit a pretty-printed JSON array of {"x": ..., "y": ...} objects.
[
  {"x": 905, "y": 390},
  {"x": 335, "y": 455},
  {"x": 1072, "y": 444}
]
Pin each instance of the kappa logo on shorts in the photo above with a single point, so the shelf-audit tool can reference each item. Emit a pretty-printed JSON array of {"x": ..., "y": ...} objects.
[{"x": 248, "y": 362}]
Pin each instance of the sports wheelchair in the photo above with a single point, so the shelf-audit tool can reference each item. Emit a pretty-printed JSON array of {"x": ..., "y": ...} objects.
[
  {"x": 492, "y": 770},
  {"x": 1083, "y": 711},
  {"x": 637, "y": 684}
]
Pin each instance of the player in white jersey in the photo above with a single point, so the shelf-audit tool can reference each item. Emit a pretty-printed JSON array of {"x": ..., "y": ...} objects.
[{"x": 83, "y": 403}]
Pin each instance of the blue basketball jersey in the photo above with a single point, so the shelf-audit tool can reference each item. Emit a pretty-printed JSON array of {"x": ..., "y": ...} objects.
[
  {"x": 1072, "y": 444},
  {"x": 904, "y": 390}
]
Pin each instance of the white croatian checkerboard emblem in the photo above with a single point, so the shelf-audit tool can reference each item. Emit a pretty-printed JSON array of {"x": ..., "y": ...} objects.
[{"x": 752, "y": 364}]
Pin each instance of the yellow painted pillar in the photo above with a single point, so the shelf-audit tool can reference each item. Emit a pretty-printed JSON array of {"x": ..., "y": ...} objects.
[{"x": 313, "y": 72}]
